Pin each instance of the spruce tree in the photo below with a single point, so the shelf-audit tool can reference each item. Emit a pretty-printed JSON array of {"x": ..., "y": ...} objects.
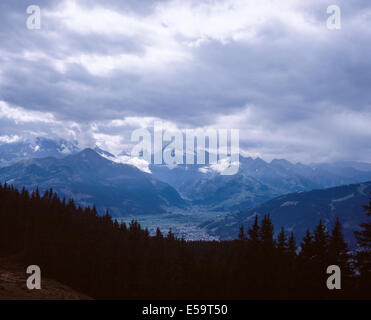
[
  {"x": 364, "y": 236},
  {"x": 254, "y": 232},
  {"x": 291, "y": 246},
  {"x": 241, "y": 234},
  {"x": 338, "y": 249},
  {"x": 170, "y": 236},
  {"x": 363, "y": 257},
  {"x": 282, "y": 240},
  {"x": 307, "y": 246},
  {"x": 320, "y": 244},
  {"x": 123, "y": 227},
  {"x": 146, "y": 233},
  {"x": 159, "y": 234},
  {"x": 266, "y": 232}
]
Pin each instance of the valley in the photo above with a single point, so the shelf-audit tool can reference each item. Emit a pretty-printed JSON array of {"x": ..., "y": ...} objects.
[{"x": 183, "y": 223}]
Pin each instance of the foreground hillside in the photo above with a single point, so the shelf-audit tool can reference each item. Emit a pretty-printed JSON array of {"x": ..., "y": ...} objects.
[
  {"x": 300, "y": 211},
  {"x": 107, "y": 260},
  {"x": 13, "y": 285}
]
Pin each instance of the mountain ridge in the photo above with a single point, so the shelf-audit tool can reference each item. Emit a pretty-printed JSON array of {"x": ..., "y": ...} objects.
[
  {"x": 256, "y": 182},
  {"x": 301, "y": 210},
  {"x": 91, "y": 179}
]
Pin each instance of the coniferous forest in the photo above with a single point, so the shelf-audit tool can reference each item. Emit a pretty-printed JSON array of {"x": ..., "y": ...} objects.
[{"x": 107, "y": 260}]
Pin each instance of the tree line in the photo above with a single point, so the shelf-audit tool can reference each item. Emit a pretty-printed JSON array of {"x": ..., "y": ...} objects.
[{"x": 105, "y": 259}]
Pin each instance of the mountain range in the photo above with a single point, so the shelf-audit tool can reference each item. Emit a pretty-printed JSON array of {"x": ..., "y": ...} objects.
[
  {"x": 90, "y": 179},
  {"x": 297, "y": 195},
  {"x": 302, "y": 210},
  {"x": 257, "y": 181},
  {"x": 40, "y": 147}
]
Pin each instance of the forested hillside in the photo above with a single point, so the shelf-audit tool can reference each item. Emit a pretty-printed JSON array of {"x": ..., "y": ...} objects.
[{"x": 104, "y": 259}]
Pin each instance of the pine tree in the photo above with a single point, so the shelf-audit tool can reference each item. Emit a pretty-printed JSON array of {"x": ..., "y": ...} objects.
[
  {"x": 307, "y": 246},
  {"x": 106, "y": 218},
  {"x": 159, "y": 234},
  {"x": 170, "y": 236},
  {"x": 94, "y": 211},
  {"x": 282, "y": 240},
  {"x": 266, "y": 232},
  {"x": 364, "y": 236},
  {"x": 253, "y": 232},
  {"x": 123, "y": 227},
  {"x": 241, "y": 234},
  {"x": 50, "y": 193},
  {"x": 291, "y": 246},
  {"x": 146, "y": 233},
  {"x": 338, "y": 249},
  {"x": 364, "y": 253},
  {"x": 320, "y": 244},
  {"x": 37, "y": 194}
]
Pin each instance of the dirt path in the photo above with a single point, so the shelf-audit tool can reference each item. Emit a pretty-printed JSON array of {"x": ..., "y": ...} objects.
[{"x": 13, "y": 285}]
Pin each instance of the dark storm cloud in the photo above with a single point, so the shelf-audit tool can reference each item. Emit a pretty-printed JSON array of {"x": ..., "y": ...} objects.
[{"x": 277, "y": 73}]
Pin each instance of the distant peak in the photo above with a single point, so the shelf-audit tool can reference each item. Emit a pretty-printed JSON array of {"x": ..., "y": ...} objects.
[
  {"x": 88, "y": 152},
  {"x": 259, "y": 160},
  {"x": 103, "y": 152},
  {"x": 280, "y": 161}
]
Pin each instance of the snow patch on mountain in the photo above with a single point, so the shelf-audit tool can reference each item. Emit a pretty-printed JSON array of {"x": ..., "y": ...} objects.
[
  {"x": 139, "y": 163},
  {"x": 220, "y": 166},
  {"x": 344, "y": 198},
  {"x": 289, "y": 203}
]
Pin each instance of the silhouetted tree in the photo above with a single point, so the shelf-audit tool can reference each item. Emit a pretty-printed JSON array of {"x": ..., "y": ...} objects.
[
  {"x": 338, "y": 252},
  {"x": 123, "y": 227},
  {"x": 321, "y": 244},
  {"x": 266, "y": 232},
  {"x": 282, "y": 240},
  {"x": 170, "y": 236},
  {"x": 159, "y": 234},
  {"x": 254, "y": 231},
  {"x": 363, "y": 256},
  {"x": 291, "y": 245},
  {"x": 241, "y": 234},
  {"x": 307, "y": 249}
]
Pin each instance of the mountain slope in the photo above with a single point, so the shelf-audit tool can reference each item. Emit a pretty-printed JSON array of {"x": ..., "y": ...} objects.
[
  {"x": 225, "y": 193},
  {"x": 91, "y": 179},
  {"x": 299, "y": 211}
]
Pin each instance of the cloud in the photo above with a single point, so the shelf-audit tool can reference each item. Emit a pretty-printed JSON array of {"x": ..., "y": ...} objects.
[
  {"x": 98, "y": 70},
  {"x": 20, "y": 115},
  {"x": 9, "y": 139}
]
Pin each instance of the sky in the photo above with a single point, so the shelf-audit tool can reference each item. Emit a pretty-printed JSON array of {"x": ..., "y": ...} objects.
[{"x": 97, "y": 70}]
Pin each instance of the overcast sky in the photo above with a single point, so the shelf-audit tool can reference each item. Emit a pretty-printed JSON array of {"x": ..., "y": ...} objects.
[{"x": 96, "y": 70}]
